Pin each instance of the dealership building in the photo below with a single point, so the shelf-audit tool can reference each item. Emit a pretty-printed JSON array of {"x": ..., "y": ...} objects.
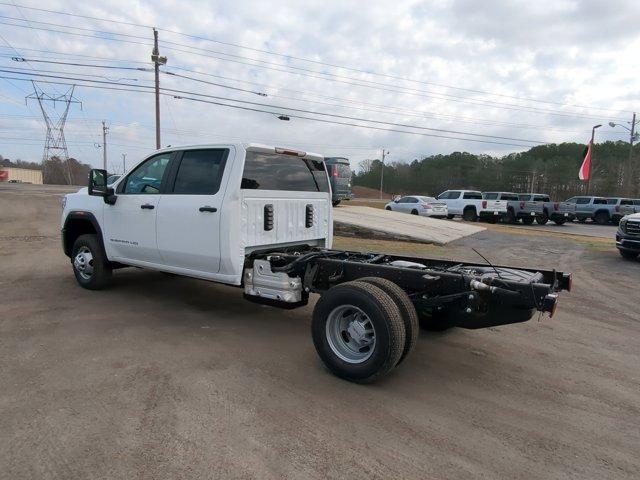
[{"x": 23, "y": 175}]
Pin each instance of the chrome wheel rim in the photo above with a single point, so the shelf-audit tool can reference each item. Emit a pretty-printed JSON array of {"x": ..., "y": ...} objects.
[
  {"x": 83, "y": 263},
  {"x": 350, "y": 334}
]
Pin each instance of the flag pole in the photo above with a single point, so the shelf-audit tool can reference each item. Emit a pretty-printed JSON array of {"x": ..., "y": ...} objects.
[{"x": 591, "y": 146}]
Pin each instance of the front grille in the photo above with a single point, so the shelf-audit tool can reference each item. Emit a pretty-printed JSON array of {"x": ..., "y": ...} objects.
[{"x": 633, "y": 228}]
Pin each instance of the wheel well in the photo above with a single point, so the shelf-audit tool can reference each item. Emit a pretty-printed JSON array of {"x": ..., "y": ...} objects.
[
  {"x": 73, "y": 228},
  {"x": 469, "y": 207}
]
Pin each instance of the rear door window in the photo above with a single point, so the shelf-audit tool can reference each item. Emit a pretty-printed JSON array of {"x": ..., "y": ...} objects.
[
  {"x": 626, "y": 201},
  {"x": 472, "y": 195},
  {"x": 200, "y": 171},
  {"x": 508, "y": 197},
  {"x": 272, "y": 171},
  {"x": 582, "y": 201},
  {"x": 541, "y": 198},
  {"x": 600, "y": 201}
]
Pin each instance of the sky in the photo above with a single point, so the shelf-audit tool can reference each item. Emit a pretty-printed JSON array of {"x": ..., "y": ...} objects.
[{"x": 425, "y": 77}]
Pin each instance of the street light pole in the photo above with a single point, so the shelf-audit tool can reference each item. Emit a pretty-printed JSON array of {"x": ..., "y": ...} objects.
[
  {"x": 627, "y": 183},
  {"x": 384, "y": 153},
  {"x": 592, "y": 146}
]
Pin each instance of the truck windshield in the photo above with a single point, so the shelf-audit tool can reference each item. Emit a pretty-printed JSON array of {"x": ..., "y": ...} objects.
[
  {"x": 506, "y": 196},
  {"x": 271, "y": 171}
]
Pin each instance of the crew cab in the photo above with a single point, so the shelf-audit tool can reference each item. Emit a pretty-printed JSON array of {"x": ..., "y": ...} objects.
[
  {"x": 470, "y": 205},
  {"x": 594, "y": 208},
  {"x": 558, "y": 212},
  {"x": 615, "y": 205},
  {"x": 517, "y": 209},
  {"x": 628, "y": 236},
  {"x": 260, "y": 218}
]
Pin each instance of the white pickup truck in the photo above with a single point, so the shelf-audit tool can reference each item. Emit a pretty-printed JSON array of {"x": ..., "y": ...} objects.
[
  {"x": 259, "y": 218},
  {"x": 470, "y": 205}
]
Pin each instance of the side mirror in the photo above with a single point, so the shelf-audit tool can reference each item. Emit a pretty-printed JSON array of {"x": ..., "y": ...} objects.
[
  {"x": 98, "y": 186},
  {"x": 98, "y": 182}
]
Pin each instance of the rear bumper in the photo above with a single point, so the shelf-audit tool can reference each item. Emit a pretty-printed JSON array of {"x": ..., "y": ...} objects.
[
  {"x": 342, "y": 196},
  {"x": 569, "y": 217},
  {"x": 627, "y": 242},
  {"x": 492, "y": 213},
  {"x": 524, "y": 214}
]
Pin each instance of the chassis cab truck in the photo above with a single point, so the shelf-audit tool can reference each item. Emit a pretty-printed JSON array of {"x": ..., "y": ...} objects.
[{"x": 259, "y": 218}]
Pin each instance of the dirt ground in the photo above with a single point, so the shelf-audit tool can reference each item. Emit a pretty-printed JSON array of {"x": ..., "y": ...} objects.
[{"x": 168, "y": 377}]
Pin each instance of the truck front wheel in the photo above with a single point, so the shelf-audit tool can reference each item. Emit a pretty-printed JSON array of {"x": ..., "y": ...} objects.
[
  {"x": 90, "y": 267},
  {"x": 358, "y": 331}
]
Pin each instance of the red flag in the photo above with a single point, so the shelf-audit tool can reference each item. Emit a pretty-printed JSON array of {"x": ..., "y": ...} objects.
[{"x": 585, "y": 168}]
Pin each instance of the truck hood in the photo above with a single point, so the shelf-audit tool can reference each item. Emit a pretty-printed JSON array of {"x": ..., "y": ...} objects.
[{"x": 633, "y": 216}]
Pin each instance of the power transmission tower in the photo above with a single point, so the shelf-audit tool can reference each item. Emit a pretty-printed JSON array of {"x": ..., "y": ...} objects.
[{"x": 55, "y": 144}]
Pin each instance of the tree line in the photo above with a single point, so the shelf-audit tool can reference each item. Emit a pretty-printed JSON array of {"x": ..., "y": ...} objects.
[
  {"x": 55, "y": 171},
  {"x": 550, "y": 168}
]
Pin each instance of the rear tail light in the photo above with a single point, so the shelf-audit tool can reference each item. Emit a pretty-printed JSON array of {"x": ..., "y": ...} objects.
[
  {"x": 556, "y": 207},
  {"x": 426, "y": 206},
  {"x": 484, "y": 204},
  {"x": 521, "y": 205},
  {"x": 335, "y": 172}
]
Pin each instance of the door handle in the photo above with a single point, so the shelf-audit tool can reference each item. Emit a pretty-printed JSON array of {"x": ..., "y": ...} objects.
[
  {"x": 207, "y": 208},
  {"x": 147, "y": 206}
]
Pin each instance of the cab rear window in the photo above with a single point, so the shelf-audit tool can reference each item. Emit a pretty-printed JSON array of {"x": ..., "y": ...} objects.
[{"x": 272, "y": 171}]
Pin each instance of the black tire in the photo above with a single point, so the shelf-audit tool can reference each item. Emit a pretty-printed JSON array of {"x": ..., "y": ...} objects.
[
  {"x": 601, "y": 218},
  {"x": 414, "y": 212},
  {"x": 450, "y": 217},
  {"x": 527, "y": 220},
  {"x": 387, "y": 208},
  {"x": 436, "y": 321},
  {"x": 626, "y": 254},
  {"x": 407, "y": 310},
  {"x": 582, "y": 220},
  {"x": 101, "y": 270},
  {"x": 469, "y": 215},
  {"x": 543, "y": 220},
  {"x": 335, "y": 203},
  {"x": 382, "y": 313},
  {"x": 560, "y": 221},
  {"x": 510, "y": 217}
]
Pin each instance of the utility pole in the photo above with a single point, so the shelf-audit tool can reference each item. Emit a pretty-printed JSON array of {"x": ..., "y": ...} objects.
[
  {"x": 384, "y": 154},
  {"x": 627, "y": 181},
  {"x": 157, "y": 61},
  {"x": 105, "y": 130},
  {"x": 124, "y": 163}
]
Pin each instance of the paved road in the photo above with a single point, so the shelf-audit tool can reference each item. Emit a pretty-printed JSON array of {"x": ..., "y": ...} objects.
[
  {"x": 575, "y": 228},
  {"x": 166, "y": 377}
]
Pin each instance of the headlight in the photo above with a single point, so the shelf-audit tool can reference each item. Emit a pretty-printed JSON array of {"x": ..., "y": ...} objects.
[
  {"x": 64, "y": 202},
  {"x": 623, "y": 225}
]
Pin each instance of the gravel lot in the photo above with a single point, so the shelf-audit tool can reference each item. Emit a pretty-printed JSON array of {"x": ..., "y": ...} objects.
[{"x": 167, "y": 377}]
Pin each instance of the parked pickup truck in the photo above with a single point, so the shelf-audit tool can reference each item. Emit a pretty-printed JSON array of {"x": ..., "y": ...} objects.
[
  {"x": 628, "y": 236},
  {"x": 517, "y": 209},
  {"x": 260, "y": 218},
  {"x": 594, "y": 208},
  {"x": 615, "y": 205},
  {"x": 558, "y": 212},
  {"x": 470, "y": 205}
]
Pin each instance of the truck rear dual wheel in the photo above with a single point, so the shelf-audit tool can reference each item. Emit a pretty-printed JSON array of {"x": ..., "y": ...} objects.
[
  {"x": 470, "y": 215},
  {"x": 407, "y": 311},
  {"x": 90, "y": 266},
  {"x": 358, "y": 331}
]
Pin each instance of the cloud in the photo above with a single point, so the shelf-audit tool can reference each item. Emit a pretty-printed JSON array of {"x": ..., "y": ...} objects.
[{"x": 561, "y": 52}]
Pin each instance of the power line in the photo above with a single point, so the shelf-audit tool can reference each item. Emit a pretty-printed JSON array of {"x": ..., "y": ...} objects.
[
  {"x": 318, "y": 75},
  {"x": 378, "y": 108},
  {"x": 138, "y": 90},
  {"x": 281, "y": 107},
  {"x": 326, "y": 64}
]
